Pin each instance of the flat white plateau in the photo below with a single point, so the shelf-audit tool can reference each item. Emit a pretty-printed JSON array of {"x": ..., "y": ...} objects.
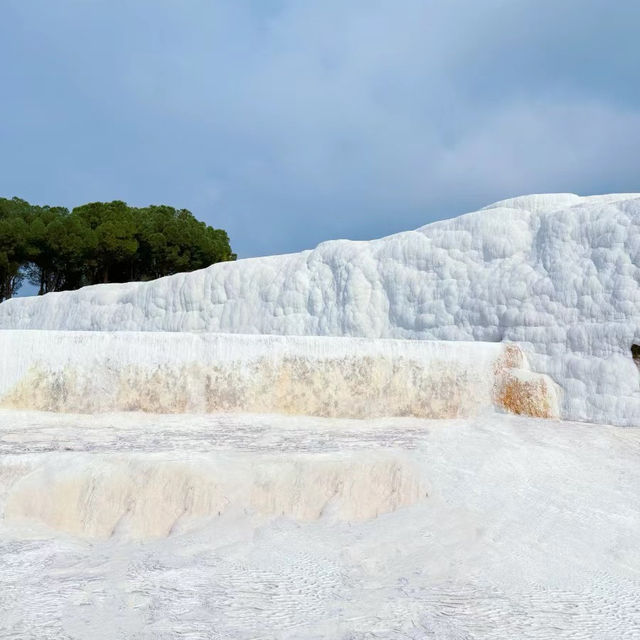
[{"x": 530, "y": 529}]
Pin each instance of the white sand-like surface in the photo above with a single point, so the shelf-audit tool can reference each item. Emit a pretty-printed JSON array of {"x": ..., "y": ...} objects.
[{"x": 489, "y": 527}]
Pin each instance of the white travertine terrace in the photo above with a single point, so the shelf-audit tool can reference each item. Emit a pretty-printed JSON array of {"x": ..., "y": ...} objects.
[
  {"x": 245, "y": 526},
  {"x": 164, "y": 372},
  {"x": 148, "y": 474},
  {"x": 102, "y": 495},
  {"x": 558, "y": 274}
]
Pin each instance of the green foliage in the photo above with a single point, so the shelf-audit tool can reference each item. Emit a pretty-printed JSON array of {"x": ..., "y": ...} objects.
[
  {"x": 14, "y": 245},
  {"x": 101, "y": 242}
]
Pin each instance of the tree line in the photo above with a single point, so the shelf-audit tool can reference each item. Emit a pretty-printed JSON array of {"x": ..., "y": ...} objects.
[{"x": 56, "y": 249}]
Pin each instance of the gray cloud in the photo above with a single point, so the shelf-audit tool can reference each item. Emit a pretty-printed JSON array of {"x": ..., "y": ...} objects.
[{"x": 289, "y": 123}]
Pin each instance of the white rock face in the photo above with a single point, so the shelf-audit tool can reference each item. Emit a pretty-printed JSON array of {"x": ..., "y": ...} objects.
[
  {"x": 558, "y": 273},
  {"x": 161, "y": 372},
  {"x": 144, "y": 497}
]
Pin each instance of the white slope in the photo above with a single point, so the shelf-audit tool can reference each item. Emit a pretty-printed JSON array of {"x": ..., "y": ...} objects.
[
  {"x": 89, "y": 371},
  {"x": 529, "y": 530},
  {"x": 558, "y": 273}
]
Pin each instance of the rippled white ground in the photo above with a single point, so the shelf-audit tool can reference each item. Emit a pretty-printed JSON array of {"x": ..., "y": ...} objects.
[{"x": 531, "y": 530}]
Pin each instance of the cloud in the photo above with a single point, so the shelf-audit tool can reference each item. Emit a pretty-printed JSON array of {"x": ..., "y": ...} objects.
[{"x": 289, "y": 123}]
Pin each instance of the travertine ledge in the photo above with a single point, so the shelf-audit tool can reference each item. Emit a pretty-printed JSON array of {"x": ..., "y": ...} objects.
[{"x": 161, "y": 372}]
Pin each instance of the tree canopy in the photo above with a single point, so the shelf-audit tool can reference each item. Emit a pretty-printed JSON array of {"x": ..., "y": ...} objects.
[{"x": 57, "y": 249}]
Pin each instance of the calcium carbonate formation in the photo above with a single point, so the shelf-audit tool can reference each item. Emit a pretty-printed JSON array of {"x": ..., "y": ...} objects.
[
  {"x": 558, "y": 274},
  {"x": 91, "y": 372}
]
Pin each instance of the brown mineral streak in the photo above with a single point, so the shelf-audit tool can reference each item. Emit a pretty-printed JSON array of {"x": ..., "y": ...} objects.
[
  {"x": 523, "y": 397},
  {"x": 347, "y": 387}
]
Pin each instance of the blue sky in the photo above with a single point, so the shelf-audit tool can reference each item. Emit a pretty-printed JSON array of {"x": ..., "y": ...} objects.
[{"x": 289, "y": 123}]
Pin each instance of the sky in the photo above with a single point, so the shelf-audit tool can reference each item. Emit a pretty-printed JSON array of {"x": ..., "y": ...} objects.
[{"x": 289, "y": 123}]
